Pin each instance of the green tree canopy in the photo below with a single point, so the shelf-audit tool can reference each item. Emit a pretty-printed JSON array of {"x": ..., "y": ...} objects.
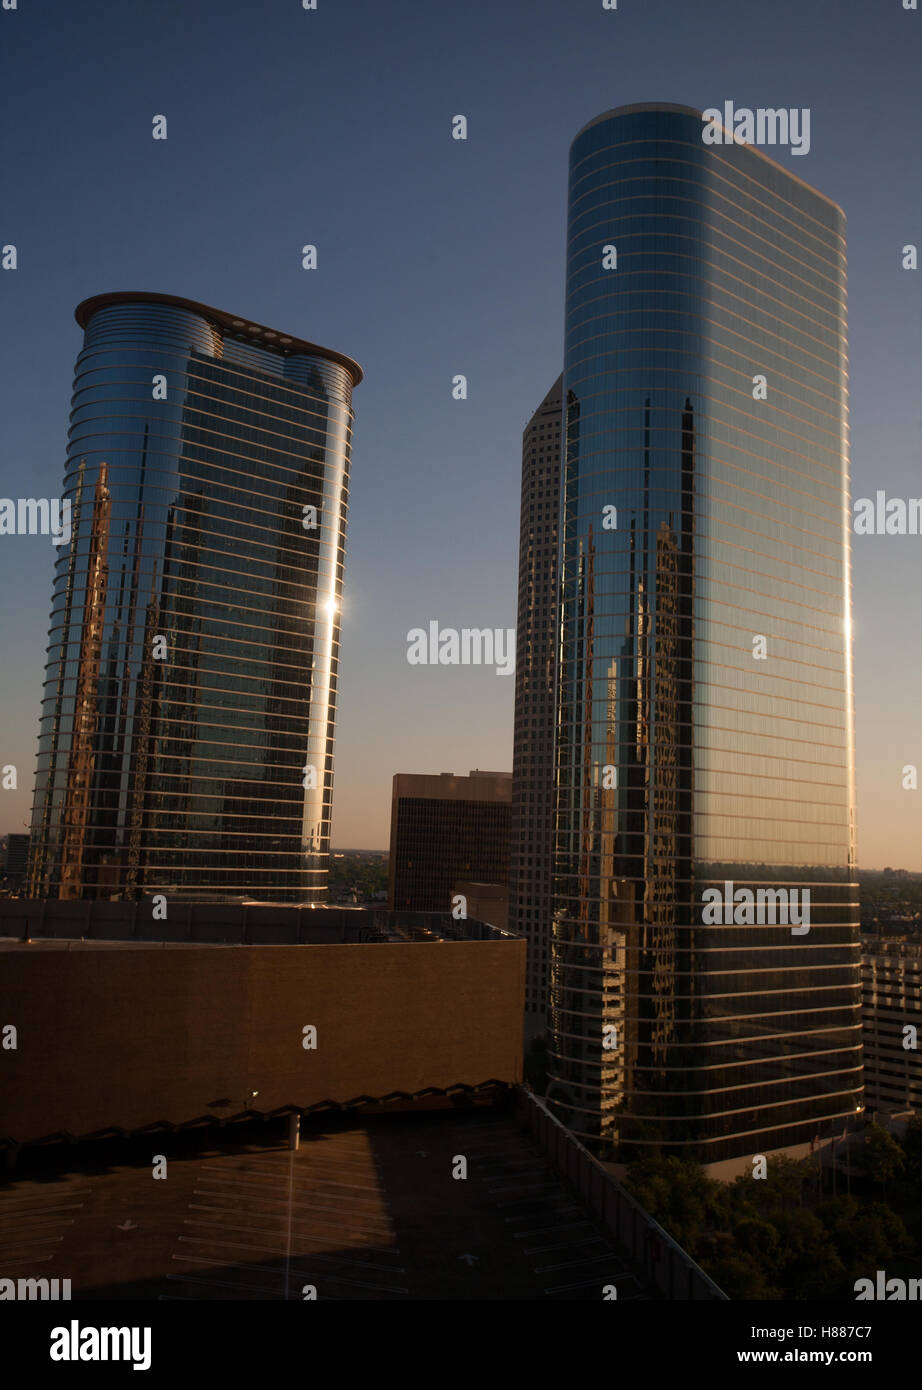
[{"x": 882, "y": 1158}]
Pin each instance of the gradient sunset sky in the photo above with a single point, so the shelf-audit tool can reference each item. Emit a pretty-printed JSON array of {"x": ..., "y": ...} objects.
[{"x": 435, "y": 257}]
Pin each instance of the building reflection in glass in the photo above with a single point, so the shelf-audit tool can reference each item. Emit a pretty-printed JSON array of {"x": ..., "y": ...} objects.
[{"x": 682, "y": 761}]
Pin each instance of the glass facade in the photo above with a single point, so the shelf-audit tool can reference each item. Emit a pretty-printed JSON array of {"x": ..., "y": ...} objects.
[
  {"x": 704, "y": 703},
  {"x": 186, "y": 743}
]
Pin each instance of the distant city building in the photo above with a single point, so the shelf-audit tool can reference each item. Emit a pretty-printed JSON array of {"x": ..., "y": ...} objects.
[
  {"x": 186, "y": 743},
  {"x": 486, "y": 902},
  {"x": 445, "y": 828},
  {"x": 891, "y": 973},
  {"x": 17, "y": 857},
  {"x": 704, "y": 695},
  {"x": 532, "y": 841}
]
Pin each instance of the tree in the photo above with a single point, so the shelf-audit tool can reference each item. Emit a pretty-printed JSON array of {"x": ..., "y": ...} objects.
[
  {"x": 741, "y": 1276},
  {"x": 883, "y": 1157},
  {"x": 808, "y": 1264},
  {"x": 912, "y": 1149},
  {"x": 764, "y": 1197},
  {"x": 866, "y": 1234},
  {"x": 677, "y": 1193},
  {"x": 757, "y": 1238}
]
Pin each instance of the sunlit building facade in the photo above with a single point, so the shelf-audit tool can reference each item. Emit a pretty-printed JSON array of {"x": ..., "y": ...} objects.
[
  {"x": 704, "y": 700},
  {"x": 186, "y": 743}
]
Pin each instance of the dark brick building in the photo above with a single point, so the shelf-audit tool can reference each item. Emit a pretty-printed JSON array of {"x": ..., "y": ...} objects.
[{"x": 445, "y": 829}]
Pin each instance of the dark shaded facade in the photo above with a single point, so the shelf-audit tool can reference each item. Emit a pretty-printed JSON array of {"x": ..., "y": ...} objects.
[
  {"x": 532, "y": 846},
  {"x": 684, "y": 761},
  {"x": 186, "y": 743},
  {"x": 138, "y": 1024},
  {"x": 17, "y": 858},
  {"x": 445, "y": 829}
]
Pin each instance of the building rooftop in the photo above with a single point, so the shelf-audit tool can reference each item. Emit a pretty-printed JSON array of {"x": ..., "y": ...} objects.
[
  {"x": 28, "y": 923},
  {"x": 245, "y": 330},
  {"x": 636, "y": 106},
  {"x": 365, "y": 1209}
]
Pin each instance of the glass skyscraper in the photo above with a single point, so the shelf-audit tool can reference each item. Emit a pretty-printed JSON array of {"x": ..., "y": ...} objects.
[
  {"x": 704, "y": 702},
  {"x": 186, "y": 743}
]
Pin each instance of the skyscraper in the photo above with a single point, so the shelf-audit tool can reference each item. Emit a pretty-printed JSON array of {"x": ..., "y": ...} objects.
[
  {"x": 186, "y": 743},
  {"x": 704, "y": 702},
  {"x": 532, "y": 841}
]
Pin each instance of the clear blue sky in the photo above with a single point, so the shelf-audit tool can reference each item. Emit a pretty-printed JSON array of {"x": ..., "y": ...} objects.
[{"x": 435, "y": 257}]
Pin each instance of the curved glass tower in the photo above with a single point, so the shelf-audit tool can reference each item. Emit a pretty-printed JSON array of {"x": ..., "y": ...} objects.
[
  {"x": 704, "y": 704},
  {"x": 186, "y": 742}
]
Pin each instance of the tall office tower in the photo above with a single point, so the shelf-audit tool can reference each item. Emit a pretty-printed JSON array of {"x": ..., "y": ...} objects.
[
  {"x": 531, "y": 838},
  {"x": 445, "y": 829},
  {"x": 704, "y": 723},
  {"x": 891, "y": 969},
  {"x": 186, "y": 742}
]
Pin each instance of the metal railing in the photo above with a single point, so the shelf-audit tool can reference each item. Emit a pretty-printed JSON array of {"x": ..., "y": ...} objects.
[{"x": 641, "y": 1239}]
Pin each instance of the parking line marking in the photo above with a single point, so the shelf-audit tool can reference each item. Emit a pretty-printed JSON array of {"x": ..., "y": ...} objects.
[
  {"x": 46, "y": 1224},
  {"x": 586, "y": 1284},
  {"x": 40, "y": 1196},
  {"x": 384, "y": 1225},
  {"x": 523, "y": 1187},
  {"x": 353, "y": 1264},
  {"x": 564, "y": 1245},
  {"x": 551, "y": 1211},
  {"x": 573, "y": 1264},
  {"x": 25, "y": 1244},
  {"x": 38, "y": 1211},
  {"x": 220, "y": 1283},
  {"x": 540, "y": 1230},
  {"x": 342, "y": 1231},
  {"x": 355, "y": 1283},
  {"x": 269, "y": 1250},
  {"x": 537, "y": 1200},
  {"x": 304, "y": 1182}
]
